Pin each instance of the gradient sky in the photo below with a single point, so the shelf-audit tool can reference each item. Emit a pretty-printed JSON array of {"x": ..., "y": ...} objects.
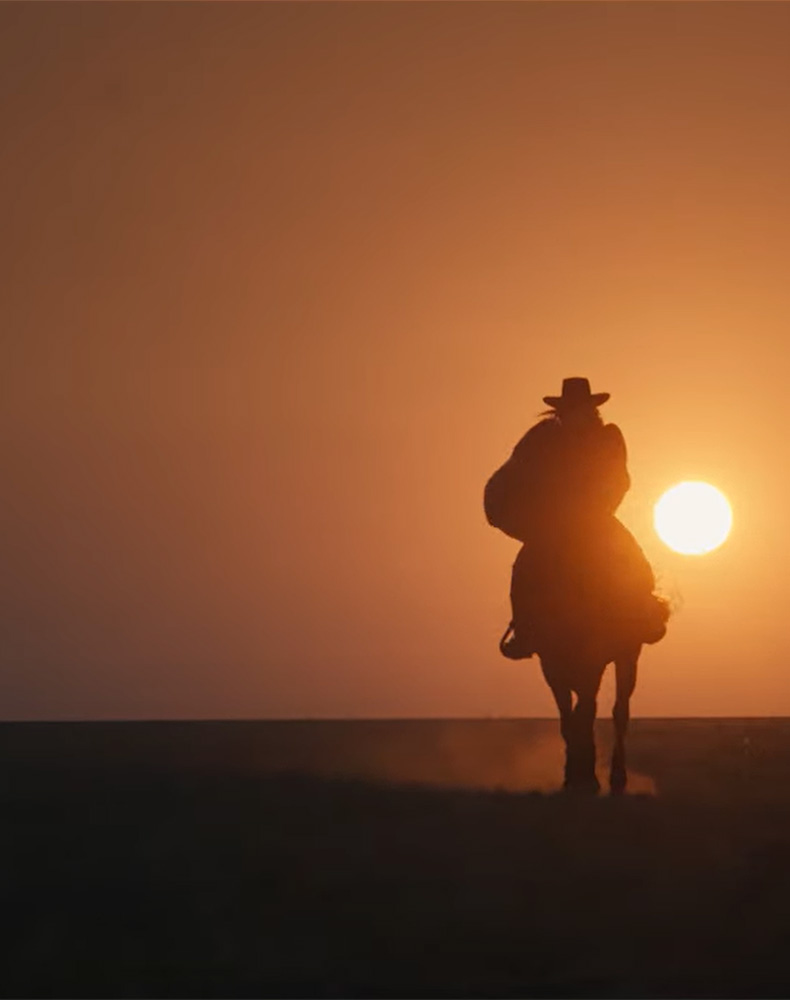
[{"x": 282, "y": 284}]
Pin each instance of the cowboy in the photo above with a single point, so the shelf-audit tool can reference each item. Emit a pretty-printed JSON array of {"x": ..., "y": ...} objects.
[{"x": 558, "y": 493}]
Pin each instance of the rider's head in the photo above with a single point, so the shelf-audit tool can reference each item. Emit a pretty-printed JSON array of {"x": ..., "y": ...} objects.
[
  {"x": 578, "y": 417},
  {"x": 577, "y": 407}
]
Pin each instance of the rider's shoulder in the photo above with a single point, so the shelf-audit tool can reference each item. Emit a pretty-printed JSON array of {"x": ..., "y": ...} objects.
[
  {"x": 539, "y": 434},
  {"x": 548, "y": 427}
]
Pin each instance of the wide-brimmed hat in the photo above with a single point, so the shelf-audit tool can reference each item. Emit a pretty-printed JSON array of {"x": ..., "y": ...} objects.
[{"x": 576, "y": 393}]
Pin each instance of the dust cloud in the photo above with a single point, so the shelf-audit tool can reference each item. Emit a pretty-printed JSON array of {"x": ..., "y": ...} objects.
[{"x": 504, "y": 755}]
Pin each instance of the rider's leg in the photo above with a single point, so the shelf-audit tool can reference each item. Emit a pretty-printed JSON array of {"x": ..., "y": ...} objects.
[{"x": 520, "y": 645}]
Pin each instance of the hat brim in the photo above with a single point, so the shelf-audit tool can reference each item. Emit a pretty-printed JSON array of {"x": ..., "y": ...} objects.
[{"x": 594, "y": 399}]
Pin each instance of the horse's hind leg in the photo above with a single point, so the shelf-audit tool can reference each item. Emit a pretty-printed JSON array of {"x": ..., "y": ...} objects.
[{"x": 625, "y": 679}]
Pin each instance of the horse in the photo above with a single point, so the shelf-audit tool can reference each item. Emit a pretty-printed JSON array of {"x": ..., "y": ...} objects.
[{"x": 590, "y": 601}]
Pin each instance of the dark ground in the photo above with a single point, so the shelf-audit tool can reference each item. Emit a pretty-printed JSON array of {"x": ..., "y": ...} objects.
[{"x": 391, "y": 859}]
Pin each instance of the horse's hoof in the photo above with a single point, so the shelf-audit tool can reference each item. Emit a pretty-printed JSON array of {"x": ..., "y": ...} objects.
[
  {"x": 582, "y": 786},
  {"x": 617, "y": 781}
]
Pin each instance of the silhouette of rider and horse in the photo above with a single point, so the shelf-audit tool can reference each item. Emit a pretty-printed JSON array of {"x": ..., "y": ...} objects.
[{"x": 582, "y": 590}]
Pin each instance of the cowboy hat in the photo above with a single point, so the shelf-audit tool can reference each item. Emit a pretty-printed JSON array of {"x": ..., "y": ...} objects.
[{"x": 576, "y": 393}]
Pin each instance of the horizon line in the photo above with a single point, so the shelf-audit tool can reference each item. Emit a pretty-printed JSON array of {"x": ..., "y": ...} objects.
[{"x": 374, "y": 718}]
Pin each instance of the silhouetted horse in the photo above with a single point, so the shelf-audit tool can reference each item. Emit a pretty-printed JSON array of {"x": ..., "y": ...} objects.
[{"x": 591, "y": 603}]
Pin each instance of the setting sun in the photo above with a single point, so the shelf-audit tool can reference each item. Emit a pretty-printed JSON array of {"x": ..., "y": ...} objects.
[{"x": 692, "y": 518}]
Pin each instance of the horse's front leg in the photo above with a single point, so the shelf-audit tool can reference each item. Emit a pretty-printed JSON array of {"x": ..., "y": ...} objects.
[
  {"x": 583, "y": 725},
  {"x": 555, "y": 676},
  {"x": 588, "y": 676},
  {"x": 576, "y": 722},
  {"x": 625, "y": 680}
]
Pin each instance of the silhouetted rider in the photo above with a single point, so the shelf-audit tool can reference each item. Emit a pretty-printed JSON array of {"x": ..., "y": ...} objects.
[{"x": 557, "y": 493}]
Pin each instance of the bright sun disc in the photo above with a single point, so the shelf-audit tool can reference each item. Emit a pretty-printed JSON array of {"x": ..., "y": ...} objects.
[{"x": 692, "y": 518}]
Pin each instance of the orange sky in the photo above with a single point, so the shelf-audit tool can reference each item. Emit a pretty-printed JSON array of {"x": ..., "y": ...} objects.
[{"x": 284, "y": 283}]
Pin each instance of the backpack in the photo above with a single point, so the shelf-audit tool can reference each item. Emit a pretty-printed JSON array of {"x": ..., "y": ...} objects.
[
  {"x": 504, "y": 500},
  {"x": 542, "y": 473},
  {"x": 516, "y": 493}
]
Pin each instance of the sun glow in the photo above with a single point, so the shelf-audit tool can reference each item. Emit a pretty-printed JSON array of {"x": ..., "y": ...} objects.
[{"x": 692, "y": 518}]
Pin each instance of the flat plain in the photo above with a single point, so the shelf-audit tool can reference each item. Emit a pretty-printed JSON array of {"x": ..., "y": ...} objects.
[{"x": 416, "y": 858}]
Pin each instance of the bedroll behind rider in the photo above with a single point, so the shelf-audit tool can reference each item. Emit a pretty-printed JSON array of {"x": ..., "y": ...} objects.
[{"x": 558, "y": 493}]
